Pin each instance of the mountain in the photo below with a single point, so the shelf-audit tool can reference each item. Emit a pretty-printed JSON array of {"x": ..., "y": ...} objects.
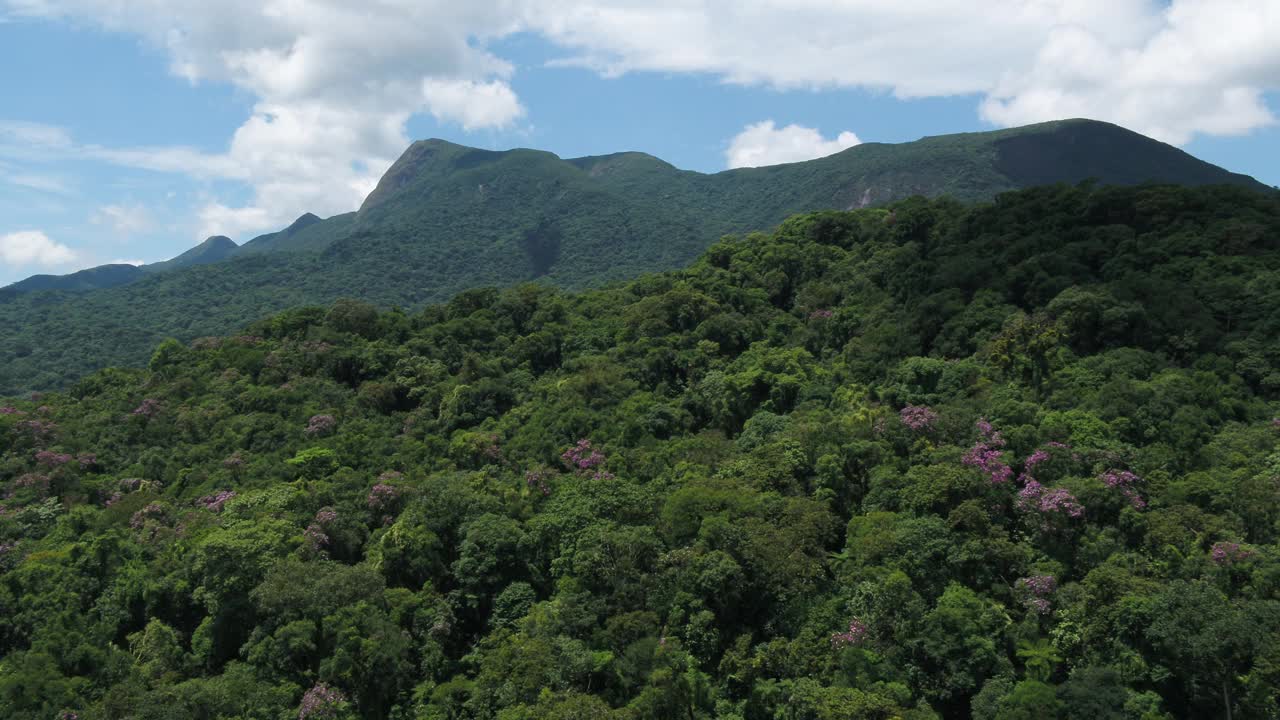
[
  {"x": 445, "y": 218},
  {"x": 212, "y": 250},
  {"x": 102, "y": 276},
  {"x": 939, "y": 461}
]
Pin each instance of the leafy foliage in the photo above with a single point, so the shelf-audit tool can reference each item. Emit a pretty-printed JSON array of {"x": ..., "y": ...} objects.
[
  {"x": 692, "y": 495},
  {"x": 447, "y": 218}
]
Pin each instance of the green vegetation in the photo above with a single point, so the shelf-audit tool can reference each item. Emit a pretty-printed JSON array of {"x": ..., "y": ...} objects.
[
  {"x": 447, "y": 218},
  {"x": 1014, "y": 460}
]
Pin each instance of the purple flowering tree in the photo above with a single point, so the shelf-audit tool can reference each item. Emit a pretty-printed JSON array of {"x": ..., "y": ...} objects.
[
  {"x": 215, "y": 501},
  {"x": 536, "y": 479},
  {"x": 987, "y": 454},
  {"x": 855, "y": 635},
  {"x": 1126, "y": 482},
  {"x": 1035, "y": 590},
  {"x": 919, "y": 418},
  {"x": 584, "y": 459},
  {"x": 320, "y": 425},
  {"x": 1228, "y": 553},
  {"x": 148, "y": 408},
  {"x": 322, "y": 702}
]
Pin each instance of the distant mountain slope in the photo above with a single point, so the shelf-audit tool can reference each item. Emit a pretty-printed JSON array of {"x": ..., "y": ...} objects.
[
  {"x": 102, "y": 276},
  {"x": 445, "y": 218},
  {"x": 214, "y": 249}
]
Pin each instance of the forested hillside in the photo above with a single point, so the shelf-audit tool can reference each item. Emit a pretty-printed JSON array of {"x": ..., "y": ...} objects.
[
  {"x": 446, "y": 218},
  {"x": 1003, "y": 461}
]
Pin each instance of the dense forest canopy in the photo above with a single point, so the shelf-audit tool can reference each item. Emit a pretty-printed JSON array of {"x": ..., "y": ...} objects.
[
  {"x": 447, "y": 218},
  {"x": 1013, "y": 460}
]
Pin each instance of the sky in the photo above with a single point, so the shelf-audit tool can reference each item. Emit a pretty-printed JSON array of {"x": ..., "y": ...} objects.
[{"x": 130, "y": 131}]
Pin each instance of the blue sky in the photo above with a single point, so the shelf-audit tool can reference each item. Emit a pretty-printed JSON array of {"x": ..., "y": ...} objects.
[{"x": 129, "y": 136}]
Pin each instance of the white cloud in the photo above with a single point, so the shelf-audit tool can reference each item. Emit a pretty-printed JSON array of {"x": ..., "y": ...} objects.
[
  {"x": 472, "y": 104},
  {"x": 1168, "y": 68},
  {"x": 335, "y": 82},
  {"x": 763, "y": 143},
  {"x": 135, "y": 263},
  {"x": 34, "y": 248},
  {"x": 43, "y": 183},
  {"x": 1203, "y": 70},
  {"x": 123, "y": 219}
]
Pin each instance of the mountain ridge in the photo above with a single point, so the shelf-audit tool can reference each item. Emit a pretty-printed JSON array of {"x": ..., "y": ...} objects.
[{"x": 446, "y": 218}]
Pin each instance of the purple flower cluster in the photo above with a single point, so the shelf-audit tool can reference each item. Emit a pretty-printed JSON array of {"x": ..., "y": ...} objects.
[
  {"x": 1226, "y": 553},
  {"x": 822, "y": 314},
  {"x": 35, "y": 480},
  {"x": 215, "y": 501},
  {"x": 234, "y": 461},
  {"x": 987, "y": 452},
  {"x": 149, "y": 408},
  {"x": 382, "y": 496},
  {"x": 582, "y": 457},
  {"x": 1035, "y": 591},
  {"x": 320, "y": 425},
  {"x": 326, "y": 516},
  {"x": 39, "y": 430},
  {"x": 920, "y": 418},
  {"x": 856, "y": 633},
  {"x": 10, "y": 410},
  {"x": 49, "y": 458},
  {"x": 537, "y": 478},
  {"x": 321, "y": 703},
  {"x": 1034, "y": 459},
  {"x": 153, "y": 511},
  {"x": 87, "y": 460},
  {"x": 1034, "y": 496},
  {"x": 1125, "y": 481},
  {"x": 315, "y": 537}
]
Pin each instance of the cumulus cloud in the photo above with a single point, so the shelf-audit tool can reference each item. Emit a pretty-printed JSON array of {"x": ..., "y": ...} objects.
[
  {"x": 1168, "y": 68},
  {"x": 334, "y": 82},
  {"x": 123, "y": 219},
  {"x": 34, "y": 248},
  {"x": 764, "y": 143}
]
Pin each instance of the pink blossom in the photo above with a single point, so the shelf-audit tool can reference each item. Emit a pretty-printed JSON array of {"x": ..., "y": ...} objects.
[
  {"x": 32, "y": 480},
  {"x": 321, "y": 703},
  {"x": 10, "y": 410},
  {"x": 87, "y": 460},
  {"x": 855, "y": 635},
  {"x": 1035, "y": 458},
  {"x": 216, "y": 501},
  {"x": 986, "y": 454},
  {"x": 537, "y": 478},
  {"x": 326, "y": 516},
  {"x": 40, "y": 430},
  {"x": 823, "y": 314},
  {"x": 320, "y": 425},
  {"x": 583, "y": 457},
  {"x": 382, "y": 496},
  {"x": 152, "y": 512},
  {"x": 918, "y": 417},
  {"x": 1125, "y": 482},
  {"x": 233, "y": 461},
  {"x": 315, "y": 537},
  {"x": 52, "y": 459},
  {"x": 149, "y": 408},
  {"x": 1035, "y": 496},
  {"x": 1226, "y": 553}
]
